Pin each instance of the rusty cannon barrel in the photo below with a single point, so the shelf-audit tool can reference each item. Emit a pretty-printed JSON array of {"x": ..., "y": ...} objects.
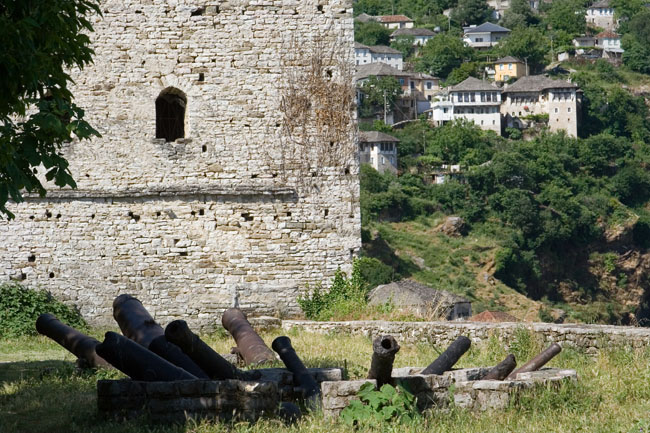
[
  {"x": 449, "y": 357},
  {"x": 502, "y": 369},
  {"x": 250, "y": 346},
  {"x": 134, "y": 320},
  {"x": 137, "y": 362},
  {"x": 81, "y": 345},
  {"x": 137, "y": 324},
  {"x": 302, "y": 380},
  {"x": 203, "y": 355},
  {"x": 537, "y": 362},
  {"x": 384, "y": 349}
]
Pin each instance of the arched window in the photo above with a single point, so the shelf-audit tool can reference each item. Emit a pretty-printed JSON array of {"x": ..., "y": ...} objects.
[{"x": 170, "y": 114}]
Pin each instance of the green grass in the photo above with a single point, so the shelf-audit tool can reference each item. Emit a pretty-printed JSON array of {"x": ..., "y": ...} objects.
[{"x": 40, "y": 391}]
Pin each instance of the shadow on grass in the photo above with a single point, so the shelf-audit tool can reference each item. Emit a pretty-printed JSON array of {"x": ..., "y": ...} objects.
[
  {"x": 381, "y": 250},
  {"x": 25, "y": 370}
]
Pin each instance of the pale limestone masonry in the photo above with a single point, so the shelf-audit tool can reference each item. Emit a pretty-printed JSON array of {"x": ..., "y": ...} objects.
[
  {"x": 589, "y": 338},
  {"x": 219, "y": 218}
]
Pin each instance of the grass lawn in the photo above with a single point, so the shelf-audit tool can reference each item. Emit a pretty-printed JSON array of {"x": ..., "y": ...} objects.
[{"x": 40, "y": 390}]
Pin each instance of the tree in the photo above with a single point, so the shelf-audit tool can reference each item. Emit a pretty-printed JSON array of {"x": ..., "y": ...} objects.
[
  {"x": 442, "y": 54},
  {"x": 567, "y": 15},
  {"x": 404, "y": 44},
  {"x": 526, "y": 43},
  {"x": 470, "y": 12},
  {"x": 371, "y": 33},
  {"x": 636, "y": 55},
  {"x": 379, "y": 91},
  {"x": 624, "y": 10},
  {"x": 41, "y": 42},
  {"x": 520, "y": 14},
  {"x": 372, "y": 7},
  {"x": 461, "y": 73}
]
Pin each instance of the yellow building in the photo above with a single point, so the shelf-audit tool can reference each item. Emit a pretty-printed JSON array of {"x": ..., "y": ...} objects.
[{"x": 509, "y": 67}]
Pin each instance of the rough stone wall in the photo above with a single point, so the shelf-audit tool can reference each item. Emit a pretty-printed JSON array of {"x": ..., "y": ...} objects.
[
  {"x": 221, "y": 217},
  {"x": 590, "y": 338}
]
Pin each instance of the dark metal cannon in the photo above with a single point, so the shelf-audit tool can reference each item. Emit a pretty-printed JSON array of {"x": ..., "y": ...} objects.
[
  {"x": 203, "y": 355},
  {"x": 250, "y": 346},
  {"x": 302, "y": 380},
  {"x": 537, "y": 362},
  {"x": 384, "y": 349},
  {"x": 137, "y": 324},
  {"x": 134, "y": 320},
  {"x": 449, "y": 357},
  {"x": 81, "y": 345},
  {"x": 137, "y": 362},
  {"x": 502, "y": 369}
]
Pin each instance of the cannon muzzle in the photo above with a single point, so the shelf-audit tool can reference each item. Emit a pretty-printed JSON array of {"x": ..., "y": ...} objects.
[
  {"x": 384, "y": 349},
  {"x": 134, "y": 320},
  {"x": 250, "y": 346},
  {"x": 537, "y": 362}
]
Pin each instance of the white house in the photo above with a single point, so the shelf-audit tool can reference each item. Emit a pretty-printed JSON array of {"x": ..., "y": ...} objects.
[
  {"x": 379, "y": 150},
  {"x": 420, "y": 36},
  {"x": 601, "y": 14},
  {"x": 610, "y": 42},
  {"x": 377, "y": 54},
  {"x": 395, "y": 21},
  {"x": 475, "y": 100},
  {"x": 484, "y": 36},
  {"x": 536, "y": 95}
]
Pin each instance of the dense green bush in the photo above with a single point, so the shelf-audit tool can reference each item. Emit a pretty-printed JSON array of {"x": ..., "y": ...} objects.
[
  {"x": 20, "y": 307},
  {"x": 374, "y": 272}
]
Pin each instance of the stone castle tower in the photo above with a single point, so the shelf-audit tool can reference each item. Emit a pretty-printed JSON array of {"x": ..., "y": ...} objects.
[{"x": 226, "y": 173}]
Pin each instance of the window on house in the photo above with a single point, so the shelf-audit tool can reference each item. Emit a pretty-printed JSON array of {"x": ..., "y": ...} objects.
[
  {"x": 401, "y": 81},
  {"x": 509, "y": 65},
  {"x": 429, "y": 97},
  {"x": 556, "y": 110},
  {"x": 568, "y": 110},
  {"x": 429, "y": 85},
  {"x": 170, "y": 114},
  {"x": 412, "y": 84},
  {"x": 472, "y": 96},
  {"x": 478, "y": 40},
  {"x": 501, "y": 66}
]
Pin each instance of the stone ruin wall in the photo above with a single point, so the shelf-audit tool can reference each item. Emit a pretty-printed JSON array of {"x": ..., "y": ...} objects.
[{"x": 218, "y": 219}]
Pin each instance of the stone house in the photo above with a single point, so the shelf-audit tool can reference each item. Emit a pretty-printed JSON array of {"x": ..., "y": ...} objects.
[
  {"x": 395, "y": 21},
  {"x": 195, "y": 198},
  {"x": 610, "y": 42},
  {"x": 475, "y": 100},
  {"x": 377, "y": 54},
  {"x": 420, "y": 36},
  {"x": 379, "y": 150},
  {"x": 535, "y": 95},
  {"x": 509, "y": 67},
  {"x": 484, "y": 36},
  {"x": 499, "y": 6},
  {"x": 601, "y": 14}
]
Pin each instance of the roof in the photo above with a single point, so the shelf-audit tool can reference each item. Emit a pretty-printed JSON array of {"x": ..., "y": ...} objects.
[
  {"x": 474, "y": 84},
  {"x": 422, "y": 76},
  {"x": 378, "y": 69},
  {"x": 600, "y": 4},
  {"x": 364, "y": 18},
  {"x": 608, "y": 34},
  {"x": 537, "y": 83},
  {"x": 508, "y": 59},
  {"x": 493, "y": 316},
  {"x": 487, "y": 28},
  {"x": 413, "y": 32},
  {"x": 394, "y": 18},
  {"x": 383, "y": 49},
  {"x": 376, "y": 137}
]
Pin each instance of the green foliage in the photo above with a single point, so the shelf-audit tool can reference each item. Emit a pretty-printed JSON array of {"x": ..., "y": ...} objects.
[
  {"x": 567, "y": 15},
  {"x": 462, "y": 142},
  {"x": 42, "y": 41},
  {"x": 375, "y": 407},
  {"x": 20, "y": 307},
  {"x": 378, "y": 91},
  {"x": 520, "y": 14},
  {"x": 442, "y": 54},
  {"x": 371, "y": 33},
  {"x": 404, "y": 44},
  {"x": 374, "y": 272},
  {"x": 461, "y": 73},
  {"x": 636, "y": 55},
  {"x": 470, "y": 12},
  {"x": 345, "y": 295},
  {"x": 526, "y": 43}
]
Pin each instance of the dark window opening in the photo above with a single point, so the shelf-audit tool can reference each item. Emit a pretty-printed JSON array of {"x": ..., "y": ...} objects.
[
  {"x": 48, "y": 214},
  {"x": 31, "y": 258},
  {"x": 201, "y": 212},
  {"x": 170, "y": 114},
  {"x": 201, "y": 76},
  {"x": 320, "y": 8},
  {"x": 197, "y": 12},
  {"x": 204, "y": 148},
  {"x": 51, "y": 275},
  {"x": 183, "y": 254},
  {"x": 247, "y": 216}
]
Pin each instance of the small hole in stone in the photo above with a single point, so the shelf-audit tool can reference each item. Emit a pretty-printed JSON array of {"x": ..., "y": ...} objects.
[
  {"x": 130, "y": 214},
  {"x": 274, "y": 175},
  {"x": 183, "y": 254},
  {"x": 253, "y": 176},
  {"x": 31, "y": 258},
  {"x": 31, "y": 217},
  {"x": 193, "y": 213},
  {"x": 201, "y": 212},
  {"x": 247, "y": 216},
  {"x": 58, "y": 215},
  {"x": 288, "y": 213},
  {"x": 51, "y": 275},
  {"x": 22, "y": 277},
  {"x": 48, "y": 213},
  {"x": 327, "y": 212},
  {"x": 204, "y": 148},
  {"x": 347, "y": 170},
  {"x": 320, "y": 8},
  {"x": 277, "y": 125},
  {"x": 138, "y": 12},
  {"x": 331, "y": 144},
  {"x": 87, "y": 175},
  {"x": 275, "y": 218},
  {"x": 198, "y": 12},
  {"x": 144, "y": 254},
  {"x": 201, "y": 76},
  {"x": 176, "y": 241},
  {"x": 92, "y": 216},
  {"x": 329, "y": 73},
  {"x": 158, "y": 213},
  {"x": 313, "y": 174}
]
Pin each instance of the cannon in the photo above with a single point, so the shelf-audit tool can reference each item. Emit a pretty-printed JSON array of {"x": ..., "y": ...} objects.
[
  {"x": 203, "y": 355},
  {"x": 302, "y": 380},
  {"x": 137, "y": 362},
  {"x": 250, "y": 346},
  {"x": 502, "y": 369},
  {"x": 384, "y": 349},
  {"x": 537, "y": 362},
  {"x": 81, "y": 345},
  {"x": 137, "y": 324},
  {"x": 449, "y": 357}
]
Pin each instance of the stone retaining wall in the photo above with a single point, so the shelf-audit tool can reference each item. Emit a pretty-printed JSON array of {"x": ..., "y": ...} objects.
[{"x": 587, "y": 337}]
